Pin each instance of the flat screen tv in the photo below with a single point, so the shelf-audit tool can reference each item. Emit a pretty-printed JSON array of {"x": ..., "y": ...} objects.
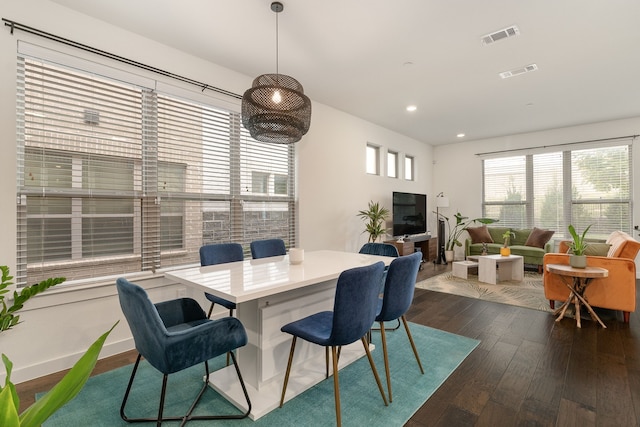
[{"x": 409, "y": 213}]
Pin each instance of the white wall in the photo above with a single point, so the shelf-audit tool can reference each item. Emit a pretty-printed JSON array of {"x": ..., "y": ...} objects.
[
  {"x": 333, "y": 184},
  {"x": 60, "y": 324},
  {"x": 457, "y": 168}
]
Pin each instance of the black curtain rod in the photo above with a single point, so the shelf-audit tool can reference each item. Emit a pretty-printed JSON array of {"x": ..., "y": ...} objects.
[
  {"x": 558, "y": 145},
  {"x": 17, "y": 26}
]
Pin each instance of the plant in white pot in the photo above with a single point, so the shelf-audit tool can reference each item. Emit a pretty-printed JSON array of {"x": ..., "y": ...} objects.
[{"x": 577, "y": 247}]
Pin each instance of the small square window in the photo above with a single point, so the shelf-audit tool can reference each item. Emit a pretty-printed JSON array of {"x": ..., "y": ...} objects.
[
  {"x": 409, "y": 168},
  {"x": 392, "y": 164},
  {"x": 373, "y": 159}
]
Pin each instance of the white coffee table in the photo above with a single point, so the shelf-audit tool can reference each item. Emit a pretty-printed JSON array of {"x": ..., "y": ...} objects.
[
  {"x": 495, "y": 268},
  {"x": 462, "y": 269}
]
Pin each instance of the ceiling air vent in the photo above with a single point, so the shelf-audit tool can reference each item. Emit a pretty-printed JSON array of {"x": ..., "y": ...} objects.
[
  {"x": 518, "y": 71},
  {"x": 500, "y": 35}
]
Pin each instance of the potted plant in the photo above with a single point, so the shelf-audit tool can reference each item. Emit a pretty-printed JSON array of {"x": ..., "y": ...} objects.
[
  {"x": 462, "y": 222},
  {"x": 577, "y": 247},
  {"x": 68, "y": 387},
  {"x": 505, "y": 250},
  {"x": 375, "y": 217}
]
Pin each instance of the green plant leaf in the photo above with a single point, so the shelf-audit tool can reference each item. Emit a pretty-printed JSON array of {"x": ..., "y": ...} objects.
[
  {"x": 7, "y": 317},
  {"x": 8, "y": 411},
  {"x": 9, "y": 400},
  {"x": 66, "y": 389}
]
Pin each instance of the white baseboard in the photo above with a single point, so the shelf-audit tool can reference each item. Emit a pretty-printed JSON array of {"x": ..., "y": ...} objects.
[{"x": 26, "y": 373}]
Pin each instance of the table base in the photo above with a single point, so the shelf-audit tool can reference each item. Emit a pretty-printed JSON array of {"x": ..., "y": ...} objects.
[
  {"x": 303, "y": 376},
  {"x": 576, "y": 299}
]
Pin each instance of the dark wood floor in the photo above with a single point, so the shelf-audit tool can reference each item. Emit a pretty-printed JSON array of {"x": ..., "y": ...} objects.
[{"x": 527, "y": 371}]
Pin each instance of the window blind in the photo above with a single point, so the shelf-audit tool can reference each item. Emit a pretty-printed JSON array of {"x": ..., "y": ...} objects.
[
  {"x": 116, "y": 178},
  {"x": 587, "y": 186}
]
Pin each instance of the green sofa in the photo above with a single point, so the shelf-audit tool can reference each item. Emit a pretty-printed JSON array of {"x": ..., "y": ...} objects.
[{"x": 532, "y": 244}]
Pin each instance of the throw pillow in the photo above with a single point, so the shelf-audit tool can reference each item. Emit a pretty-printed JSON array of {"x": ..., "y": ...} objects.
[
  {"x": 539, "y": 237},
  {"x": 616, "y": 240},
  {"x": 479, "y": 234},
  {"x": 594, "y": 249},
  {"x": 597, "y": 249}
]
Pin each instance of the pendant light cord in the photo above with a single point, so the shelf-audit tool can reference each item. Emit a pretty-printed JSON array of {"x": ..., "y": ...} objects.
[{"x": 277, "y": 44}]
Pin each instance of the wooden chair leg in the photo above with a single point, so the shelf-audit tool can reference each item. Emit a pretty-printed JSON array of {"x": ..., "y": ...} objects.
[
  {"x": 374, "y": 370},
  {"x": 286, "y": 375},
  {"x": 552, "y": 304},
  {"x": 336, "y": 386},
  {"x": 625, "y": 315},
  {"x": 383, "y": 337},
  {"x": 413, "y": 345}
]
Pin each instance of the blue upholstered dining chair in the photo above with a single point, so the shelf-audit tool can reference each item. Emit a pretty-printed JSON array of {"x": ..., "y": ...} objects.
[
  {"x": 383, "y": 249},
  {"x": 267, "y": 248},
  {"x": 220, "y": 253},
  {"x": 395, "y": 302},
  {"x": 175, "y": 335},
  {"x": 354, "y": 311}
]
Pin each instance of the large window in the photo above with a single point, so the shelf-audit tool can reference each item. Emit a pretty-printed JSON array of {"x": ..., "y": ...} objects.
[
  {"x": 583, "y": 186},
  {"x": 116, "y": 177}
]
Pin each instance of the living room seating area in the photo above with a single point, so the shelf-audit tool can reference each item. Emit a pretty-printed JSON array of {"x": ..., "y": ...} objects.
[
  {"x": 615, "y": 292},
  {"x": 532, "y": 244}
]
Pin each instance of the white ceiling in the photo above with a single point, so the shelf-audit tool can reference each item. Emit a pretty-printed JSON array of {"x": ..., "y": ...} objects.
[{"x": 372, "y": 58}]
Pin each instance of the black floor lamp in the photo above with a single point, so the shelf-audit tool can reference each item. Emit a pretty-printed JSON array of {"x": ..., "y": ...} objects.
[{"x": 441, "y": 202}]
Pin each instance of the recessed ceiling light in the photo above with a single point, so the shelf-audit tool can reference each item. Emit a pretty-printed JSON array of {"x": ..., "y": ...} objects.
[
  {"x": 460, "y": 135},
  {"x": 412, "y": 108}
]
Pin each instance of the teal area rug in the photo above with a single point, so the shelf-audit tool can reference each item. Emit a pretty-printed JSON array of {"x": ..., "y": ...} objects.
[{"x": 98, "y": 404}]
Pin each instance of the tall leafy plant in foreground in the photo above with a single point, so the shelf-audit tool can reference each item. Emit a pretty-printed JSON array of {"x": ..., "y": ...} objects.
[
  {"x": 56, "y": 398},
  {"x": 61, "y": 393}
]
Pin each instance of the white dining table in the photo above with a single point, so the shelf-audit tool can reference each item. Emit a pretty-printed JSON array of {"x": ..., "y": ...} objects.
[{"x": 269, "y": 293}]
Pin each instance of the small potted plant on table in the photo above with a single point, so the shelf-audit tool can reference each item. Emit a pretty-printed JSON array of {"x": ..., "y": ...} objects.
[
  {"x": 577, "y": 248},
  {"x": 505, "y": 250}
]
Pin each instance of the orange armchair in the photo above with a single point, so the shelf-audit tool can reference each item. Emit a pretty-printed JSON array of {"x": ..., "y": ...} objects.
[{"x": 615, "y": 292}]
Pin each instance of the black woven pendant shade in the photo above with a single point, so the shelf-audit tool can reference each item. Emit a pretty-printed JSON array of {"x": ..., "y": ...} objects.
[{"x": 275, "y": 109}]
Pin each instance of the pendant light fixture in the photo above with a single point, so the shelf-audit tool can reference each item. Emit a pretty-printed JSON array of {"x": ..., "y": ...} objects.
[{"x": 275, "y": 108}]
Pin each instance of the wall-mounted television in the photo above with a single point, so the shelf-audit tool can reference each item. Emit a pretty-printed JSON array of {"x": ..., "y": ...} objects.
[{"x": 409, "y": 213}]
